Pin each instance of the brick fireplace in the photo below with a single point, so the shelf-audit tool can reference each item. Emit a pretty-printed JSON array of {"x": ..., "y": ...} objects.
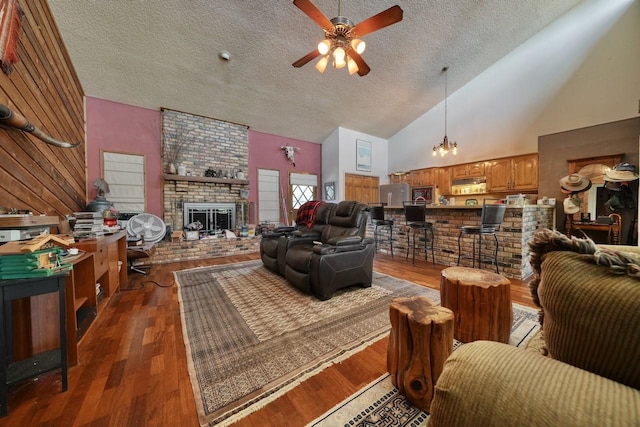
[
  {"x": 211, "y": 145},
  {"x": 206, "y": 145}
]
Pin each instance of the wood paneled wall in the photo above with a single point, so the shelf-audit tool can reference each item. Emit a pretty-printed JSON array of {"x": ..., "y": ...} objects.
[{"x": 45, "y": 89}]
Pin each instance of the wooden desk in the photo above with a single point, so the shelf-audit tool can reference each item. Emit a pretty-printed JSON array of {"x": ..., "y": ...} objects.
[
  {"x": 612, "y": 229},
  {"x": 110, "y": 259},
  {"x": 12, "y": 371}
]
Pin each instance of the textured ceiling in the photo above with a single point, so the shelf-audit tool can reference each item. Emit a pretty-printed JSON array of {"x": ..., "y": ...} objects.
[{"x": 164, "y": 53}]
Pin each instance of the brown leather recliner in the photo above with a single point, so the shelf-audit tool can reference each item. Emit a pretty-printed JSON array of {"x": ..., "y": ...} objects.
[{"x": 342, "y": 256}]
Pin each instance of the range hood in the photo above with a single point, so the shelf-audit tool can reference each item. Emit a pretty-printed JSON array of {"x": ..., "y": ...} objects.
[{"x": 476, "y": 185}]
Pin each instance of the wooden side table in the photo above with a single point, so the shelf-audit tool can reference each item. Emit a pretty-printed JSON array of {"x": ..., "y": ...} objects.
[
  {"x": 420, "y": 341},
  {"x": 12, "y": 371},
  {"x": 480, "y": 301}
]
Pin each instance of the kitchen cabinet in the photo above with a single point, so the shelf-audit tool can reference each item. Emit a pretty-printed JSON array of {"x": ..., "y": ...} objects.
[
  {"x": 421, "y": 177},
  {"x": 524, "y": 172},
  {"x": 444, "y": 180},
  {"x": 518, "y": 173},
  {"x": 399, "y": 177},
  {"x": 498, "y": 175},
  {"x": 468, "y": 170}
]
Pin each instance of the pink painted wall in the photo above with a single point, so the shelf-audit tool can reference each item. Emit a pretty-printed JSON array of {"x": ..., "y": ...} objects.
[
  {"x": 116, "y": 127},
  {"x": 265, "y": 153}
]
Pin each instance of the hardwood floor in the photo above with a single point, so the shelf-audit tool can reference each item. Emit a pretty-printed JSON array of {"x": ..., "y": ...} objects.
[{"x": 133, "y": 369}]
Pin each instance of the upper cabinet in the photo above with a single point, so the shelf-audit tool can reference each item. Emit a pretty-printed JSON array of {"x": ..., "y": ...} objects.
[
  {"x": 399, "y": 177},
  {"x": 513, "y": 174},
  {"x": 427, "y": 176},
  {"x": 444, "y": 180},
  {"x": 468, "y": 170}
]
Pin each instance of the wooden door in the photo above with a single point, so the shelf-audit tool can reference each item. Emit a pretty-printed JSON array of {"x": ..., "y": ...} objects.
[
  {"x": 362, "y": 188},
  {"x": 524, "y": 172},
  {"x": 498, "y": 175}
]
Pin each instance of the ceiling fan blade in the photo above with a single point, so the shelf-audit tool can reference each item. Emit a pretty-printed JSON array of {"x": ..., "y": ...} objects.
[
  {"x": 376, "y": 22},
  {"x": 363, "y": 68},
  {"x": 314, "y": 13},
  {"x": 305, "y": 59}
]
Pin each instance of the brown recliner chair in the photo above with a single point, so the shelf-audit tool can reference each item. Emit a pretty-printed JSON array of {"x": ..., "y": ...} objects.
[
  {"x": 341, "y": 257},
  {"x": 274, "y": 245}
]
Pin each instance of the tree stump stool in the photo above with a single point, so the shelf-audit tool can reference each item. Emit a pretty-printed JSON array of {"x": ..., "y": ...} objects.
[
  {"x": 480, "y": 301},
  {"x": 420, "y": 341}
]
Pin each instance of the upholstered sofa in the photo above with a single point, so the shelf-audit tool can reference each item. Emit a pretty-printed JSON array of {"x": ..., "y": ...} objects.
[
  {"x": 331, "y": 254},
  {"x": 588, "y": 370}
]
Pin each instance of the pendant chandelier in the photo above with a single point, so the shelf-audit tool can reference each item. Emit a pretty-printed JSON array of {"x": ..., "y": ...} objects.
[{"x": 445, "y": 146}]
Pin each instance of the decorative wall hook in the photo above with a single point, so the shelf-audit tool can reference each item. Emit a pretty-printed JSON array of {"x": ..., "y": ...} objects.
[{"x": 11, "y": 119}]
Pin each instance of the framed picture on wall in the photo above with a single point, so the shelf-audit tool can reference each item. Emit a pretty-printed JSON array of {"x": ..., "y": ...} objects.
[
  {"x": 363, "y": 155},
  {"x": 330, "y": 190}
]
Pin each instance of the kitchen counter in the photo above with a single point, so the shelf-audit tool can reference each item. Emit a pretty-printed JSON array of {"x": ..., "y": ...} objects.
[{"x": 518, "y": 225}]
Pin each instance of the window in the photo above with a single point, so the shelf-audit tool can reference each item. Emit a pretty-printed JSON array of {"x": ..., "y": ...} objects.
[
  {"x": 125, "y": 174},
  {"x": 303, "y": 188},
  {"x": 268, "y": 196}
]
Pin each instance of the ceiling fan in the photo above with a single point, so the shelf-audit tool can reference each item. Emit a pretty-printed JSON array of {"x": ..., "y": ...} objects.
[{"x": 342, "y": 37}]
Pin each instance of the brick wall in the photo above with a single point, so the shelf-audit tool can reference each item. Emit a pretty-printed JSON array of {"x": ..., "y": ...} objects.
[
  {"x": 204, "y": 143},
  {"x": 518, "y": 225}
]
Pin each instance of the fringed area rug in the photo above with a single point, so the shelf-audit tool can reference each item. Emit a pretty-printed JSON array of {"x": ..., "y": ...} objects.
[
  {"x": 251, "y": 336},
  {"x": 381, "y": 404}
]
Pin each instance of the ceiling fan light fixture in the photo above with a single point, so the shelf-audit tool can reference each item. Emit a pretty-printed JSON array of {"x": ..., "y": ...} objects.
[
  {"x": 353, "y": 67},
  {"x": 358, "y": 45},
  {"x": 322, "y": 64},
  {"x": 324, "y": 46}
]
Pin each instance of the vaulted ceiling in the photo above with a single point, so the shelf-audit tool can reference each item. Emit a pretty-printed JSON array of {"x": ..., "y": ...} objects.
[{"x": 165, "y": 53}]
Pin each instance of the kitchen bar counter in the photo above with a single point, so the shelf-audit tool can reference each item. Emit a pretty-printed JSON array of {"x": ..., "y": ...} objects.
[{"x": 519, "y": 224}]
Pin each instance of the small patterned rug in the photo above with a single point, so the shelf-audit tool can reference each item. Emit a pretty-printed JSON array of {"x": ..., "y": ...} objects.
[
  {"x": 250, "y": 336},
  {"x": 381, "y": 404}
]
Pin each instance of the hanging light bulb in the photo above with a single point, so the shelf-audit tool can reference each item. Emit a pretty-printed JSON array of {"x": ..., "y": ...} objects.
[
  {"x": 324, "y": 46},
  {"x": 322, "y": 64},
  {"x": 358, "y": 45},
  {"x": 338, "y": 58},
  {"x": 353, "y": 67}
]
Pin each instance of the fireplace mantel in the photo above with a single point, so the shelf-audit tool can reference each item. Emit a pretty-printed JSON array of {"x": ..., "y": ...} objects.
[{"x": 174, "y": 177}]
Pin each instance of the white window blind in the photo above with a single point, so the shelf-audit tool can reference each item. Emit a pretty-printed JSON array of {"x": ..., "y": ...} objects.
[
  {"x": 268, "y": 196},
  {"x": 307, "y": 179},
  {"x": 126, "y": 177}
]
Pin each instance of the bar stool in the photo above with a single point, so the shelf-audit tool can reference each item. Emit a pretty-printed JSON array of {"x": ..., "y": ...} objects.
[
  {"x": 490, "y": 223},
  {"x": 414, "y": 214},
  {"x": 378, "y": 219}
]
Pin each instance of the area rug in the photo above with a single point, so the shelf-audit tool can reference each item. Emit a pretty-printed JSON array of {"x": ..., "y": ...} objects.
[
  {"x": 381, "y": 404},
  {"x": 250, "y": 336}
]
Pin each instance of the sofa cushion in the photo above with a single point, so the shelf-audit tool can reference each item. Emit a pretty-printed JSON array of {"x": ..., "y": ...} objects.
[
  {"x": 492, "y": 384},
  {"x": 591, "y": 316},
  {"x": 590, "y": 301}
]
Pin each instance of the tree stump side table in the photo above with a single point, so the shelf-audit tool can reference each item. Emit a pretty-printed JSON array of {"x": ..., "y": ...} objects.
[
  {"x": 420, "y": 341},
  {"x": 480, "y": 301}
]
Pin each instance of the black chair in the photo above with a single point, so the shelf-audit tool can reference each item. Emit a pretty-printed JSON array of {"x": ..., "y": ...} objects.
[
  {"x": 490, "y": 223},
  {"x": 414, "y": 214},
  {"x": 378, "y": 219}
]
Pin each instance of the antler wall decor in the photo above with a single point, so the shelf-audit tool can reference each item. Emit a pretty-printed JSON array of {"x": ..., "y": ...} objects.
[{"x": 10, "y": 118}]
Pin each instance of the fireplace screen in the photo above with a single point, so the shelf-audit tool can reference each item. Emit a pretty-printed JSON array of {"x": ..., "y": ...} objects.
[{"x": 214, "y": 217}]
